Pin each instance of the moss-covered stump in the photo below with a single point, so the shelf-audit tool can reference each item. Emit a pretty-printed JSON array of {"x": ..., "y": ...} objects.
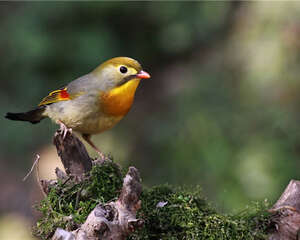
[
  {"x": 69, "y": 201},
  {"x": 168, "y": 212}
]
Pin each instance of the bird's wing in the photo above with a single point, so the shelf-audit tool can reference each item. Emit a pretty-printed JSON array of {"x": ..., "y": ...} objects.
[
  {"x": 74, "y": 89},
  {"x": 57, "y": 96}
]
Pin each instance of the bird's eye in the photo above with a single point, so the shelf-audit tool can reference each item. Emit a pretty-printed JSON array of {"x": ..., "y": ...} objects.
[{"x": 123, "y": 69}]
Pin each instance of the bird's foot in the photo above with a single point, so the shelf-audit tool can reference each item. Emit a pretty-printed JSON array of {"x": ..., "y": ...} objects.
[
  {"x": 87, "y": 138},
  {"x": 64, "y": 129},
  {"x": 101, "y": 155},
  {"x": 101, "y": 159}
]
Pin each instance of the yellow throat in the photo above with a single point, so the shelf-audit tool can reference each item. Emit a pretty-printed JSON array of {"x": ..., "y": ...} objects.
[{"x": 118, "y": 101}]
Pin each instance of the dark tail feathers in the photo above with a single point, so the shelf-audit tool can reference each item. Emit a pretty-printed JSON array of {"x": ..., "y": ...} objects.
[{"x": 33, "y": 116}]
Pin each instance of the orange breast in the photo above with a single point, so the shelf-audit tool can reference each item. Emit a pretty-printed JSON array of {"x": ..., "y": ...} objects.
[{"x": 118, "y": 101}]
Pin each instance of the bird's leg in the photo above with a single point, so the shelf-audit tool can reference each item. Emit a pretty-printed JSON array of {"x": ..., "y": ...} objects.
[
  {"x": 63, "y": 128},
  {"x": 87, "y": 138}
]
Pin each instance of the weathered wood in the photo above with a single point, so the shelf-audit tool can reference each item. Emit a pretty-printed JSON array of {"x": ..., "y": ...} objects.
[
  {"x": 72, "y": 152},
  {"x": 61, "y": 234},
  {"x": 114, "y": 220},
  {"x": 131, "y": 190},
  {"x": 290, "y": 197},
  {"x": 286, "y": 213}
]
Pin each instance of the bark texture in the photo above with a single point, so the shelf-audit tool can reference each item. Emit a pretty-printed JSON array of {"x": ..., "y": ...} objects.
[
  {"x": 286, "y": 214},
  {"x": 72, "y": 153}
]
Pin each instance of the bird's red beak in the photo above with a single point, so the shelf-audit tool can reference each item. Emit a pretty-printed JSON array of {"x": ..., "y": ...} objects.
[{"x": 143, "y": 74}]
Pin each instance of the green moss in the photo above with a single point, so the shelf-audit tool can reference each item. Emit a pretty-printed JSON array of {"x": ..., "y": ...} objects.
[
  {"x": 186, "y": 215},
  {"x": 77, "y": 199},
  {"x": 183, "y": 213}
]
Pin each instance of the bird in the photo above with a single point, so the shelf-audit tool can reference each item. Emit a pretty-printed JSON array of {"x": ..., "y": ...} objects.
[{"x": 92, "y": 103}]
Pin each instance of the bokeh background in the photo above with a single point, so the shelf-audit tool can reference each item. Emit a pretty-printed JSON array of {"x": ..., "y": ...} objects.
[{"x": 221, "y": 109}]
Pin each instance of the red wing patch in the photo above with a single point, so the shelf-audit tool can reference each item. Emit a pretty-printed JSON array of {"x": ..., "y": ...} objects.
[{"x": 56, "y": 96}]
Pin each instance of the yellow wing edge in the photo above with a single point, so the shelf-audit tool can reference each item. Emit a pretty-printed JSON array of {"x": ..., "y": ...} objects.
[{"x": 56, "y": 96}]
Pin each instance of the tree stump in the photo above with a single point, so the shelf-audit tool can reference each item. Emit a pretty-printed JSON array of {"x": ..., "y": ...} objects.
[
  {"x": 286, "y": 214},
  {"x": 114, "y": 220}
]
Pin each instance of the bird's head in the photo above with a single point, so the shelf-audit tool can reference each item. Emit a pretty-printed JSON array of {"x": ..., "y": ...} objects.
[{"x": 119, "y": 71}]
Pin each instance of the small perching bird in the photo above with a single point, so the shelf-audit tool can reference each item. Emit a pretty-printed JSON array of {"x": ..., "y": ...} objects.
[{"x": 92, "y": 103}]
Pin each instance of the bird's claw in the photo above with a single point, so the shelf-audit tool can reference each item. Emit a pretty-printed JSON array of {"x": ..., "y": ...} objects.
[
  {"x": 64, "y": 129},
  {"x": 101, "y": 155},
  {"x": 102, "y": 158}
]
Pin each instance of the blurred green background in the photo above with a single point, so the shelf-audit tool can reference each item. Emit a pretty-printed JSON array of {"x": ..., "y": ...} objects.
[{"x": 221, "y": 109}]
